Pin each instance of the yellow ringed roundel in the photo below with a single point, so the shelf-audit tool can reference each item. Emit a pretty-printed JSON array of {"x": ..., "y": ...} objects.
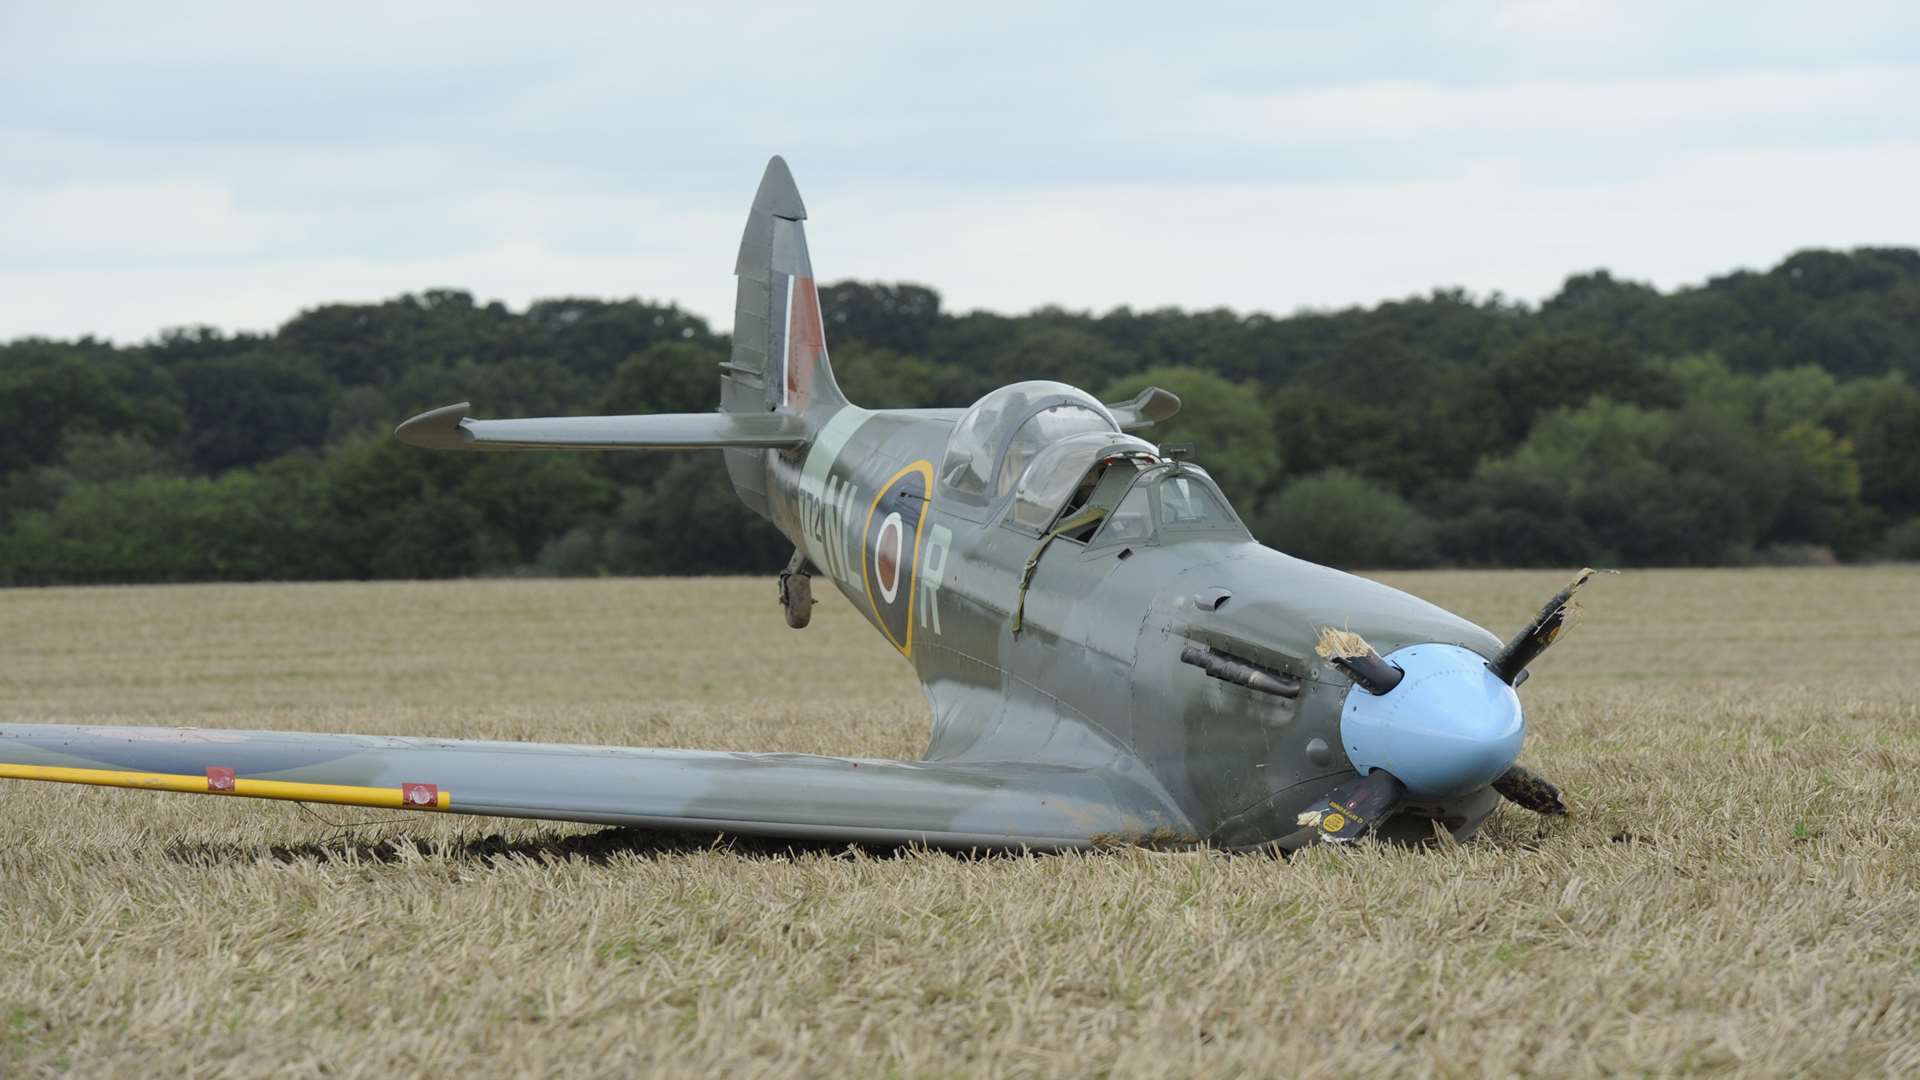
[{"x": 890, "y": 551}]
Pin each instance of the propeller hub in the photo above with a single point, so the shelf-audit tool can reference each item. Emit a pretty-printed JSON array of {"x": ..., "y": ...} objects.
[{"x": 1448, "y": 728}]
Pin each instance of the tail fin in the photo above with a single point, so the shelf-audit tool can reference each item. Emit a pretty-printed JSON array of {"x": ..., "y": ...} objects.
[
  {"x": 775, "y": 390},
  {"x": 779, "y": 361}
]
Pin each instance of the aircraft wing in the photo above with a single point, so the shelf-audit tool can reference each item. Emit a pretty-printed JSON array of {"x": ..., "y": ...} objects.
[
  {"x": 448, "y": 428},
  {"x": 1013, "y": 804}
]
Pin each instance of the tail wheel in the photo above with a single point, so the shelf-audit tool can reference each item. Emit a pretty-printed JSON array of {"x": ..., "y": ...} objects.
[{"x": 796, "y": 591}]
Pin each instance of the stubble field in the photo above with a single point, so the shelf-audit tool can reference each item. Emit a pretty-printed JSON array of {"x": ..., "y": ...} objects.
[{"x": 1738, "y": 889}]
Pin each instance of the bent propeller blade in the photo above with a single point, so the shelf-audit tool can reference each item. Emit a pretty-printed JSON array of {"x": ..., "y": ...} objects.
[
  {"x": 1525, "y": 788},
  {"x": 1544, "y": 630}
]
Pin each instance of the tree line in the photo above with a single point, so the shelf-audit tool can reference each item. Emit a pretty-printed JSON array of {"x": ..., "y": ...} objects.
[{"x": 1760, "y": 417}]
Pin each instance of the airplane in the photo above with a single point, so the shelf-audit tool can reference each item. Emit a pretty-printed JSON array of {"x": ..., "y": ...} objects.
[{"x": 1109, "y": 655}]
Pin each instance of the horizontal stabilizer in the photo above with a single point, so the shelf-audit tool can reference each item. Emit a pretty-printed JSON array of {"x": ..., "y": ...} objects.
[
  {"x": 448, "y": 428},
  {"x": 944, "y": 804}
]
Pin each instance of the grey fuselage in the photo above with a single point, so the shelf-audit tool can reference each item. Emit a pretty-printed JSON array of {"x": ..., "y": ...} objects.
[{"x": 1093, "y": 677}]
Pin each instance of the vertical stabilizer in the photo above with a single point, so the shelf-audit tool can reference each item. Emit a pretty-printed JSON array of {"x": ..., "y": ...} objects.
[{"x": 779, "y": 360}]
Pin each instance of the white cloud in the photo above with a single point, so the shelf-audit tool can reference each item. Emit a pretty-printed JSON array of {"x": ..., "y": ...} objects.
[
  {"x": 137, "y": 300},
  {"x": 1715, "y": 108},
  {"x": 1280, "y": 247},
  {"x": 119, "y": 220},
  {"x": 1274, "y": 247},
  {"x": 234, "y": 164}
]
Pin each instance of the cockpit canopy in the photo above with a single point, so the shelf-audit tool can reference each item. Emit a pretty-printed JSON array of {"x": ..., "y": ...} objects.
[
  {"x": 1168, "y": 503},
  {"x": 1002, "y": 433},
  {"x": 1068, "y": 463},
  {"x": 1054, "y": 452}
]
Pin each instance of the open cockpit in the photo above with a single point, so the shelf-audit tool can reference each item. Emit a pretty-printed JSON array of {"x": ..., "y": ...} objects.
[
  {"x": 1002, "y": 433},
  {"x": 1050, "y": 460}
]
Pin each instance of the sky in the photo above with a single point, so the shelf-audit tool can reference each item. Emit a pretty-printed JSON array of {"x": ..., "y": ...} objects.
[{"x": 232, "y": 164}]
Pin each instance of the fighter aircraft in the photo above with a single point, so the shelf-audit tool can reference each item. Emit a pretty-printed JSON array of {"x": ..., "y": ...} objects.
[{"x": 1109, "y": 654}]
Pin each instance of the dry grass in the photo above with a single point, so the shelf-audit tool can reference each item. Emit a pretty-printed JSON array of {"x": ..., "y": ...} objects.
[{"x": 1737, "y": 891}]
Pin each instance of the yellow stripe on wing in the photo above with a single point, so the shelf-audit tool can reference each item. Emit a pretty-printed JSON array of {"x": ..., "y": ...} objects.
[{"x": 392, "y": 798}]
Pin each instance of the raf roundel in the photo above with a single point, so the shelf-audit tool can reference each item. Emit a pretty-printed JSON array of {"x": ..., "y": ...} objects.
[{"x": 890, "y": 551}]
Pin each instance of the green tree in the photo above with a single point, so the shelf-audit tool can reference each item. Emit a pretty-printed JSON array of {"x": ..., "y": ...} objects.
[
  {"x": 1801, "y": 395},
  {"x": 881, "y": 379},
  {"x": 525, "y": 500},
  {"x": 1509, "y": 515},
  {"x": 1576, "y": 446},
  {"x": 1881, "y": 418},
  {"x": 251, "y": 407},
  {"x": 591, "y": 338},
  {"x": 1613, "y": 423},
  {"x": 522, "y": 386},
  {"x": 1647, "y": 516},
  {"x": 1554, "y": 371},
  {"x": 58, "y": 392},
  {"x": 1231, "y": 432},
  {"x": 361, "y": 344},
  {"x": 1341, "y": 519},
  {"x": 1052, "y": 346},
  {"x": 1818, "y": 485},
  {"x": 665, "y": 377},
  {"x": 684, "y": 520},
  {"x": 897, "y": 318},
  {"x": 391, "y": 511},
  {"x": 149, "y": 528}
]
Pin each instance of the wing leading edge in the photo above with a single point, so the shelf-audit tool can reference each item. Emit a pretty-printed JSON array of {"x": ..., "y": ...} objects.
[
  {"x": 802, "y": 796},
  {"x": 449, "y": 428}
]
